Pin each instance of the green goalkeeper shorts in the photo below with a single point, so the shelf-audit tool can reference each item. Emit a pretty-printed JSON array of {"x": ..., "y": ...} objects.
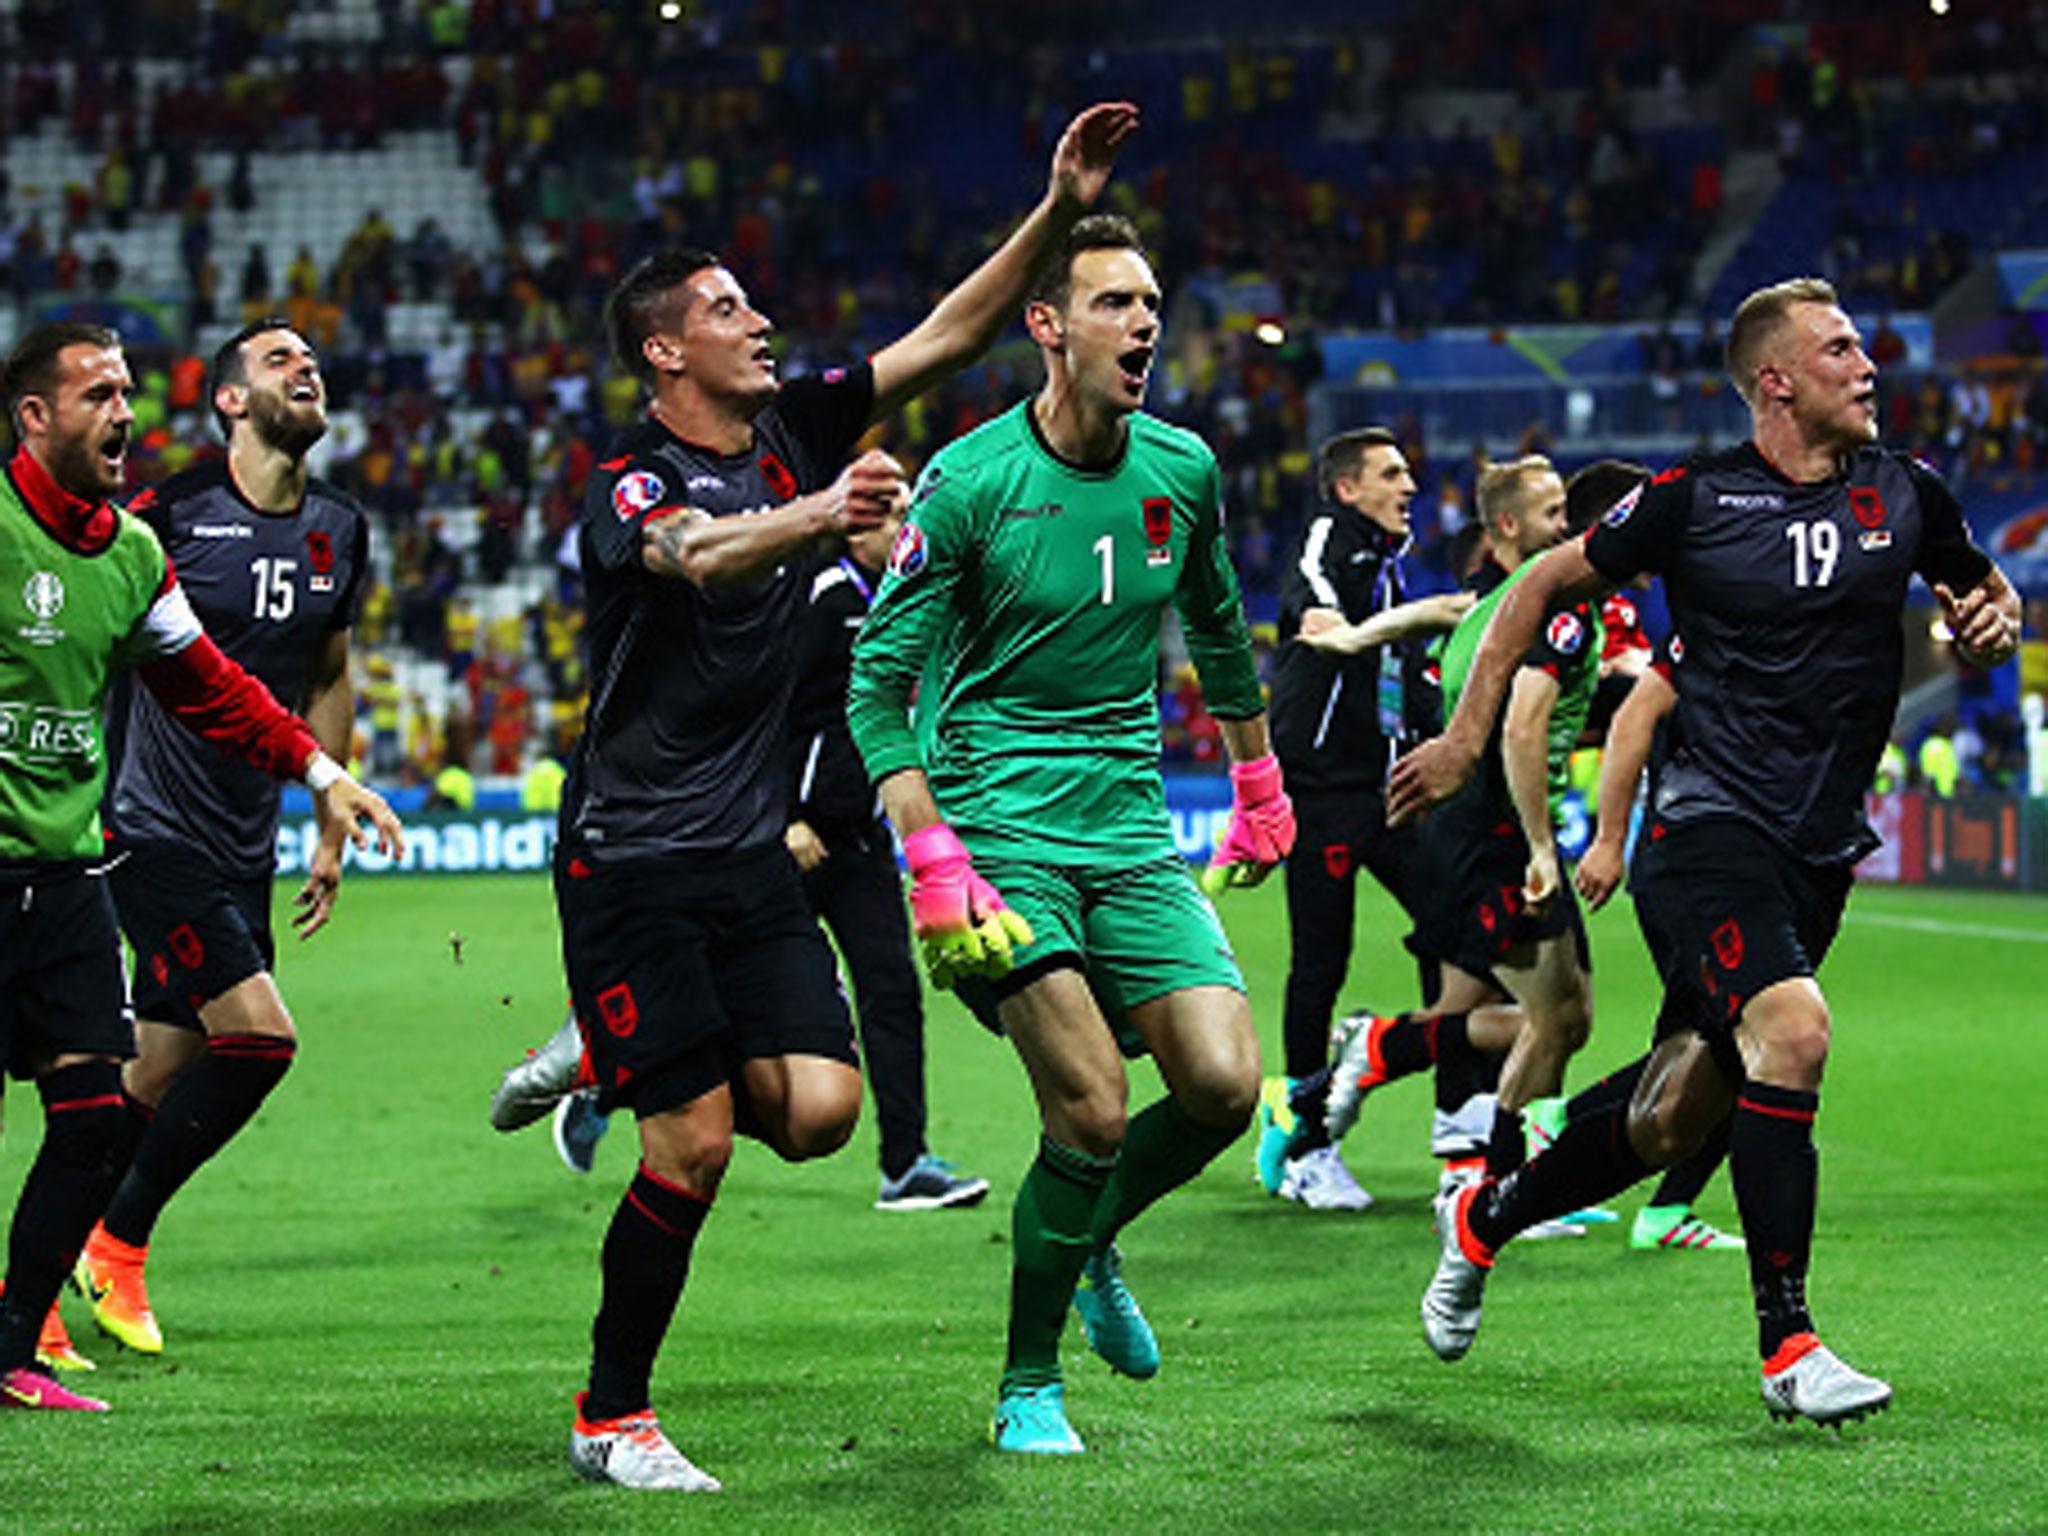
[{"x": 1138, "y": 932}]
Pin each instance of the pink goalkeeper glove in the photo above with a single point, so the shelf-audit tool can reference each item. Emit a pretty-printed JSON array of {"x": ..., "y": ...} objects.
[
  {"x": 1261, "y": 830},
  {"x": 963, "y": 925}
]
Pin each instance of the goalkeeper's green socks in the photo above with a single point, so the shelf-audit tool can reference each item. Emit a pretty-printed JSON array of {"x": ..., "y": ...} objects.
[
  {"x": 1164, "y": 1147},
  {"x": 1050, "y": 1241}
]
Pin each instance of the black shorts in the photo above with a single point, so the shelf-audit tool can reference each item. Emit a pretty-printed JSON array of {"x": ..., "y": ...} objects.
[
  {"x": 1470, "y": 911},
  {"x": 197, "y": 930},
  {"x": 62, "y": 987},
  {"x": 1728, "y": 911},
  {"x": 681, "y": 969}
]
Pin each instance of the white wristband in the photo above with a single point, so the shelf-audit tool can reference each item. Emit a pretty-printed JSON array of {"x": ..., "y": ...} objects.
[{"x": 322, "y": 771}]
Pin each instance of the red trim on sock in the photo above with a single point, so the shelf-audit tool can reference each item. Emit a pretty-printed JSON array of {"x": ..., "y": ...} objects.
[
  {"x": 1473, "y": 1249},
  {"x": 97, "y": 1101},
  {"x": 1804, "y": 1116},
  {"x": 641, "y": 1206},
  {"x": 671, "y": 1186},
  {"x": 1796, "y": 1347}
]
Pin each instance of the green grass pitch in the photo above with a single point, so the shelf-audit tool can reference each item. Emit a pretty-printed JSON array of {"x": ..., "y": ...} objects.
[{"x": 377, "y": 1308}]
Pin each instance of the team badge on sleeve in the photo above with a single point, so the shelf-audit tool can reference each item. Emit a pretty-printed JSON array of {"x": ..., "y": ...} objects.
[
  {"x": 636, "y": 494},
  {"x": 1566, "y": 633},
  {"x": 1620, "y": 511},
  {"x": 907, "y": 554}
]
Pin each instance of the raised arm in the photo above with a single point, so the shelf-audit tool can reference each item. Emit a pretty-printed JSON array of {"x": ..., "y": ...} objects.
[
  {"x": 1435, "y": 770},
  {"x": 721, "y": 552},
  {"x": 1424, "y": 616},
  {"x": 967, "y": 320},
  {"x": 1629, "y": 735}
]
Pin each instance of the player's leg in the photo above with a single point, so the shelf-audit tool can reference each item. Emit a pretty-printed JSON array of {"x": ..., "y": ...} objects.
[
  {"x": 1555, "y": 989},
  {"x": 1208, "y": 1053},
  {"x": 1077, "y": 1078},
  {"x": 859, "y": 894},
  {"x": 66, "y": 1027},
  {"x": 1321, "y": 890},
  {"x": 1468, "y": 1021},
  {"x": 206, "y": 946},
  {"x": 636, "y": 945},
  {"x": 1463, "y": 1081},
  {"x": 248, "y": 1049},
  {"x": 684, "y": 1151},
  {"x": 797, "y": 1088},
  {"x": 1784, "y": 1037}
]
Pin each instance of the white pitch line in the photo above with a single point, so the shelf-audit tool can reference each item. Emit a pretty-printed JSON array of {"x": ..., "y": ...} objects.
[{"x": 1953, "y": 930}]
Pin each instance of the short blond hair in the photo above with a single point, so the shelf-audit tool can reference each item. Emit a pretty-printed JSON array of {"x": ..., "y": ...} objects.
[
  {"x": 1501, "y": 486},
  {"x": 1758, "y": 319}
]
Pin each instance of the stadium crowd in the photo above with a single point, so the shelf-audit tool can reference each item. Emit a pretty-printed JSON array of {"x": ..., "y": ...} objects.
[{"x": 1582, "y": 200}]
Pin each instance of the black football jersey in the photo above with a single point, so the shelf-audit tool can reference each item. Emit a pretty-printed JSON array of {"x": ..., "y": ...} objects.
[
  {"x": 1788, "y": 596},
  {"x": 271, "y": 589},
  {"x": 829, "y": 785},
  {"x": 683, "y": 744},
  {"x": 1330, "y": 713}
]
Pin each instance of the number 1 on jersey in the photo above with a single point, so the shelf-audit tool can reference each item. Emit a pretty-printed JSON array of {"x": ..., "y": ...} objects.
[
  {"x": 274, "y": 590},
  {"x": 1818, "y": 543},
  {"x": 1106, "y": 547}
]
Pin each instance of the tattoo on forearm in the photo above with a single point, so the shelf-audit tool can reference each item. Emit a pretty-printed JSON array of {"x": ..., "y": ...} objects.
[{"x": 662, "y": 540}]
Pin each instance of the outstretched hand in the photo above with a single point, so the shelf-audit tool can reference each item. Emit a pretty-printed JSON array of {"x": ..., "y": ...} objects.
[{"x": 1086, "y": 153}]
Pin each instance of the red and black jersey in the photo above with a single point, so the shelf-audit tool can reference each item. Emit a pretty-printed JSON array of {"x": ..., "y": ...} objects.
[
  {"x": 271, "y": 588},
  {"x": 1788, "y": 596},
  {"x": 682, "y": 746}
]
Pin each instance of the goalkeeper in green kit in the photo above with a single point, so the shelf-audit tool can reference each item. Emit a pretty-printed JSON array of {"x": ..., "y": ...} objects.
[{"x": 1022, "y": 608}]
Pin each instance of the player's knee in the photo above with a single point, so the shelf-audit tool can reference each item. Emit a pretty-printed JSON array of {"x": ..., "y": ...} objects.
[
  {"x": 1664, "y": 1133},
  {"x": 1094, "y": 1124},
  {"x": 1789, "y": 1042},
  {"x": 694, "y": 1157},
  {"x": 85, "y": 1125},
  {"x": 1222, "y": 1096},
  {"x": 147, "y": 1079},
  {"x": 819, "y": 1130}
]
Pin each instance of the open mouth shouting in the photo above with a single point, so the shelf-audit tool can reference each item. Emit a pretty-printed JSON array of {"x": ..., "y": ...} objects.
[{"x": 1135, "y": 366}]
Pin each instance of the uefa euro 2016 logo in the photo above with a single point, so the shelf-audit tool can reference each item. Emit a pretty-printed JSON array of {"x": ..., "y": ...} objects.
[{"x": 43, "y": 592}]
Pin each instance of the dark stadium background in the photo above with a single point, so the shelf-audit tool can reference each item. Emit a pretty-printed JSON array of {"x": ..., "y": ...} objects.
[{"x": 1494, "y": 226}]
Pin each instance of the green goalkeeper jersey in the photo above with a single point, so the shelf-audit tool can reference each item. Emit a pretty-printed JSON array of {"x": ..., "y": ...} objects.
[
  {"x": 70, "y": 617},
  {"x": 1568, "y": 649},
  {"x": 1022, "y": 607}
]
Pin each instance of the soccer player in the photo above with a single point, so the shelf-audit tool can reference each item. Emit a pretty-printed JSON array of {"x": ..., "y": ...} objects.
[
  {"x": 704, "y": 986},
  {"x": 1340, "y": 709},
  {"x": 1786, "y": 562},
  {"x": 274, "y": 563},
  {"x": 1022, "y": 606},
  {"x": 85, "y": 591},
  {"x": 1498, "y": 914},
  {"x": 843, "y": 849}
]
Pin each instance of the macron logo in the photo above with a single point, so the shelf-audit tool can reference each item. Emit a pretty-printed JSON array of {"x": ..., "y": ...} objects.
[{"x": 222, "y": 531}]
